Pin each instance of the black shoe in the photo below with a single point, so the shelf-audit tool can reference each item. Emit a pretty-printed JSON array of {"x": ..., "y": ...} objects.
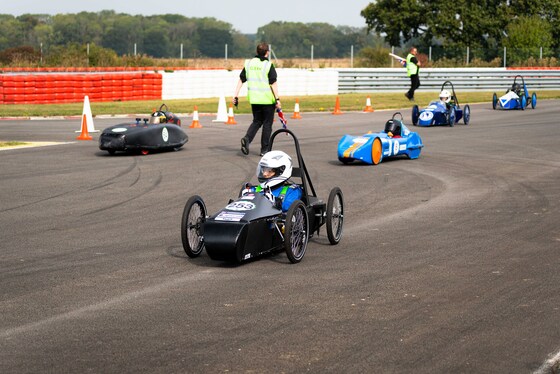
[{"x": 244, "y": 146}]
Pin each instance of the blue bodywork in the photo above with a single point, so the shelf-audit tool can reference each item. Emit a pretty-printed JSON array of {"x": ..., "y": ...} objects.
[
  {"x": 361, "y": 148},
  {"x": 516, "y": 97},
  {"x": 438, "y": 113}
]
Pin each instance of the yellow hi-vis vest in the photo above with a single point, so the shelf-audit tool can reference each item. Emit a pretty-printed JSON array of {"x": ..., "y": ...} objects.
[
  {"x": 411, "y": 68},
  {"x": 258, "y": 88}
]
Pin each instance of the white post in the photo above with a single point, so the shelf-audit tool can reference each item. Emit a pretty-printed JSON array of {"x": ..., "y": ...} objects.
[
  {"x": 134, "y": 49},
  {"x": 541, "y": 54},
  {"x": 226, "y": 51},
  {"x": 430, "y": 54},
  {"x": 393, "y": 52},
  {"x": 41, "y": 52},
  {"x": 352, "y": 56},
  {"x": 311, "y": 55},
  {"x": 504, "y": 56},
  {"x": 181, "y": 54},
  {"x": 468, "y": 51}
]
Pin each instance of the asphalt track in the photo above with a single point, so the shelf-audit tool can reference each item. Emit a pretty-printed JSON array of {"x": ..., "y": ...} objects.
[{"x": 448, "y": 263}]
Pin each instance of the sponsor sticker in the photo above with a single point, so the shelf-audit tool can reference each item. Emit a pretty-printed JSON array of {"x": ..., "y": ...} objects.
[
  {"x": 229, "y": 216},
  {"x": 165, "y": 134},
  {"x": 119, "y": 129}
]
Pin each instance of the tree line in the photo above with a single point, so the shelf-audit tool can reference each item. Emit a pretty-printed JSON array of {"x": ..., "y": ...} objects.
[
  {"x": 162, "y": 36},
  {"x": 489, "y": 25},
  {"x": 448, "y": 29}
]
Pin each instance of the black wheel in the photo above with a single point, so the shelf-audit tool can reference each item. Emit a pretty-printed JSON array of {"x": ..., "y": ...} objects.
[
  {"x": 451, "y": 116},
  {"x": 494, "y": 101},
  {"x": 335, "y": 215},
  {"x": 194, "y": 216},
  {"x": 466, "y": 114},
  {"x": 345, "y": 161},
  {"x": 415, "y": 115},
  {"x": 111, "y": 152},
  {"x": 296, "y": 231}
]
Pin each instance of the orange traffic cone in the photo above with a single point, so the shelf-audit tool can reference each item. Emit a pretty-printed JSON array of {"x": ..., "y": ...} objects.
[
  {"x": 368, "y": 108},
  {"x": 195, "y": 123},
  {"x": 230, "y": 118},
  {"x": 84, "y": 135},
  {"x": 296, "y": 114},
  {"x": 337, "y": 107}
]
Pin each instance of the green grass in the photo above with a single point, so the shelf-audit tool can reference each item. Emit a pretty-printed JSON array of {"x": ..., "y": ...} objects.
[
  {"x": 322, "y": 103},
  {"x": 11, "y": 144}
]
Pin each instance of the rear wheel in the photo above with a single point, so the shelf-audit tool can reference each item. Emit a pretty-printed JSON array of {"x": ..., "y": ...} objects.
[
  {"x": 194, "y": 216},
  {"x": 466, "y": 114},
  {"x": 415, "y": 115},
  {"x": 376, "y": 151},
  {"x": 335, "y": 215},
  {"x": 494, "y": 101},
  {"x": 533, "y": 100},
  {"x": 296, "y": 231}
]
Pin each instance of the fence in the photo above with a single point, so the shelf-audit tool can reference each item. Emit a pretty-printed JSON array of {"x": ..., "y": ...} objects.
[
  {"x": 50, "y": 88},
  {"x": 487, "y": 79}
]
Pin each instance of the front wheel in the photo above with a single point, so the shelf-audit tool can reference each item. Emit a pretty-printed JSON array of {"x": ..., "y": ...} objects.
[
  {"x": 451, "y": 116},
  {"x": 523, "y": 102},
  {"x": 335, "y": 215},
  {"x": 467, "y": 114},
  {"x": 415, "y": 115},
  {"x": 494, "y": 101},
  {"x": 376, "y": 151},
  {"x": 194, "y": 216},
  {"x": 296, "y": 231},
  {"x": 533, "y": 100}
]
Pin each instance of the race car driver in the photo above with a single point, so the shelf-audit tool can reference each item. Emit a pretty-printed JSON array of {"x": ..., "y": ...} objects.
[{"x": 273, "y": 172}]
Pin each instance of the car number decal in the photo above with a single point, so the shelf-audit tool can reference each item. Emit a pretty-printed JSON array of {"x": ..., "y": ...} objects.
[
  {"x": 165, "y": 134},
  {"x": 241, "y": 205},
  {"x": 426, "y": 116}
]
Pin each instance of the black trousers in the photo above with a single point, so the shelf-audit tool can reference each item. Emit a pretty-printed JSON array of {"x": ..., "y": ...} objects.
[
  {"x": 263, "y": 115},
  {"x": 414, "y": 84}
]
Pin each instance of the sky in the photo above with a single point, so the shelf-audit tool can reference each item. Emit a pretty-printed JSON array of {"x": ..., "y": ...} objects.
[{"x": 245, "y": 16}]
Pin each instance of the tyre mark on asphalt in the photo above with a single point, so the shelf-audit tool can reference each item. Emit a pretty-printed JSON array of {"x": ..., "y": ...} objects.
[
  {"x": 138, "y": 195},
  {"x": 100, "y": 185},
  {"x": 111, "y": 180}
]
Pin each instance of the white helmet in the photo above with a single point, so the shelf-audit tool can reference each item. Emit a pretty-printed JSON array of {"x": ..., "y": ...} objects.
[
  {"x": 274, "y": 168},
  {"x": 445, "y": 96}
]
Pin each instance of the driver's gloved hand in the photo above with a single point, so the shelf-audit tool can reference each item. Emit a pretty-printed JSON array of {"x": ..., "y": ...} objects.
[{"x": 236, "y": 101}]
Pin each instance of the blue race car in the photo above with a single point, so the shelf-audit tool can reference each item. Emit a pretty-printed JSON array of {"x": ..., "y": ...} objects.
[
  {"x": 372, "y": 148},
  {"x": 446, "y": 111},
  {"x": 516, "y": 97}
]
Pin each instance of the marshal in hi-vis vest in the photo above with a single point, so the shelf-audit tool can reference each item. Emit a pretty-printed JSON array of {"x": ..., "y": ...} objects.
[
  {"x": 411, "y": 68},
  {"x": 258, "y": 87}
]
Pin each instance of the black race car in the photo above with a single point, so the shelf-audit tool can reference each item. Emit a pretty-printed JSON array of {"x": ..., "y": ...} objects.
[
  {"x": 252, "y": 225},
  {"x": 161, "y": 132}
]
